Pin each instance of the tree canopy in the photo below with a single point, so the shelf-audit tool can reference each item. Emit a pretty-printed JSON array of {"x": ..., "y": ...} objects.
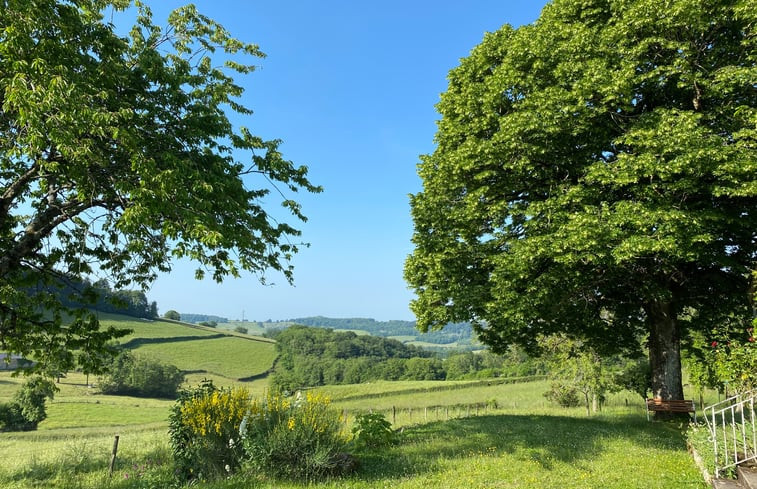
[
  {"x": 119, "y": 154},
  {"x": 595, "y": 173}
]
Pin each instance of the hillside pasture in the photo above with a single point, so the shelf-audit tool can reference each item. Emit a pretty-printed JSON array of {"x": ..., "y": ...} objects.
[
  {"x": 194, "y": 348},
  {"x": 228, "y": 356},
  {"x": 149, "y": 328}
]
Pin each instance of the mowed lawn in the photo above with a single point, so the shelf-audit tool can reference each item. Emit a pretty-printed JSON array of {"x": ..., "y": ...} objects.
[{"x": 534, "y": 452}]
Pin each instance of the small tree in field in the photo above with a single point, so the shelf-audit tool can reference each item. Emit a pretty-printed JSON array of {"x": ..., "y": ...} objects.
[
  {"x": 575, "y": 368},
  {"x": 172, "y": 315}
]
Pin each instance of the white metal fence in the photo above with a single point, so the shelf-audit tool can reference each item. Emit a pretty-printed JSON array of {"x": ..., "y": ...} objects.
[{"x": 733, "y": 429}]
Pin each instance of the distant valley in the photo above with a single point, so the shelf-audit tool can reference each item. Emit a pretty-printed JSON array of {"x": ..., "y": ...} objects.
[{"x": 459, "y": 336}]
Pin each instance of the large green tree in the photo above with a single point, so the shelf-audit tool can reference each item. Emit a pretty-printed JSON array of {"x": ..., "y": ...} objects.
[
  {"x": 596, "y": 174},
  {"x": 119, "y": 153}
]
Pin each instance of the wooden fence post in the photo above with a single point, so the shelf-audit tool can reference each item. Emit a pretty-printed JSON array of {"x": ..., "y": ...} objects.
[
  {"x": 113, "y": 457},
  {"x": 394, "y": 414}
]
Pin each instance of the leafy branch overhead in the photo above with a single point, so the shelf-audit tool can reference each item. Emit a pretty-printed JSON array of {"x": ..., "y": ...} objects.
[{"x": 119, "y": 154}]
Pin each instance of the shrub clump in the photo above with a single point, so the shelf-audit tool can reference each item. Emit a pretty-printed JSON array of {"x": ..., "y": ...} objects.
[
  {"x": 132, "y": 375},
  {"x": 28, "y": 407},
  {"x": 373, "y": 430},
  {"x": 204, "y": 430},
  {"x": 295, "y": 438},
  {"x": 563, "y": 395},
  {"x": 214, "y": 432}
]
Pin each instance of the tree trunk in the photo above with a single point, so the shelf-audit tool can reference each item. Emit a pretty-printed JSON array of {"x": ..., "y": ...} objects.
[
  {"x": 586, "y": 403},
  {"x": 664, "y": 351}
]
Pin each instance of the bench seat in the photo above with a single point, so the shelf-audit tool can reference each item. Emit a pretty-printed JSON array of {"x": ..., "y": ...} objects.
[{"x": 671, "y": 406}]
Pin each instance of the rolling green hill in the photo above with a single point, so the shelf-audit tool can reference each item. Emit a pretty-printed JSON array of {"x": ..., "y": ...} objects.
[{"x": 197, "y": 349}]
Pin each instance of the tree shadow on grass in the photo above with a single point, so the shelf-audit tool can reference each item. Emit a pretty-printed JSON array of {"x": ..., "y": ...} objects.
[
  {"x": 539, "y": 438},
  {"x": 137, "y": 342}
]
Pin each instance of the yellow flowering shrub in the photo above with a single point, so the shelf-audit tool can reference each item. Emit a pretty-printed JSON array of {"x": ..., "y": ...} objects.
[
  {"x": 213, "y": 431},
  {"x": 218, "y": 413},
  {"x": 300, "y": 437},
  {"x": 204, "y": 428}
]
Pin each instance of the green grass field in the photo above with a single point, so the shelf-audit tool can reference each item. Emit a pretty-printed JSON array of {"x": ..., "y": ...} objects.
[
  {"x": 230, "y": 357},
  {"x": 524, "y": 442},
  {"x": 193, "y": 348},
  {"x": 457, "y": 434}
]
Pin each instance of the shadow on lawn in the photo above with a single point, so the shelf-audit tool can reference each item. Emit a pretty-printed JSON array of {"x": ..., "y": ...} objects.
[{"x": 539, "y": 438}]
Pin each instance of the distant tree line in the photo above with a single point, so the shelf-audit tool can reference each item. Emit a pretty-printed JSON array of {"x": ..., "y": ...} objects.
[
  {"x": 451, "y": 333},
  {"x": 310, "y": 357},
  {"x": 202, "y": 318},
  {"x": 77, "y": 293},
  {"x": 127, "y": 302}
]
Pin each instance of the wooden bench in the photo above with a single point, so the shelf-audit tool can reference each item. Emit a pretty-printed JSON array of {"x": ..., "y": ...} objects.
[{"x": 671, "y": 406}]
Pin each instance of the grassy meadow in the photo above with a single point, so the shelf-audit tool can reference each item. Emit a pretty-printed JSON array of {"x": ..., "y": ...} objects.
[
  {"x": 522, "y": 443},
  {"x": 457, "y": 434}
]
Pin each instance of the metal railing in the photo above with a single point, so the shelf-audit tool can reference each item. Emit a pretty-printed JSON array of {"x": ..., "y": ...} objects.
[{"x": 733, "y": 429}]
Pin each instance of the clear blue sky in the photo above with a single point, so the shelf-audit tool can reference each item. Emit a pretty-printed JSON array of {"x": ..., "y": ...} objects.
[{"x": 350, "y": 87}]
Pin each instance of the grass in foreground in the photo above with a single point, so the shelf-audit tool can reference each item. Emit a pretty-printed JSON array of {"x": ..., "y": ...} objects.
[{"x": 493, "y": 451}]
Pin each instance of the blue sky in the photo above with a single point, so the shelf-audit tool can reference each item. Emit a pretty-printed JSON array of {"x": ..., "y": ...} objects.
[{"x": 350, "y": 88}]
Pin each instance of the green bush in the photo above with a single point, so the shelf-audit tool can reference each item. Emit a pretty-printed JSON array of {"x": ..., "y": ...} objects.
[
  {"x": 28, "y": 407},
  {"x": 373, "y": 430},
  {"x": 563, "y": 395},
  {"x": 11, "y": 418},
  {"x": 241, "y": 329},
  {"x": 134, "y": 375},
  {"x": 297, "y": 438},
  {"x": 172, "y": 315}
]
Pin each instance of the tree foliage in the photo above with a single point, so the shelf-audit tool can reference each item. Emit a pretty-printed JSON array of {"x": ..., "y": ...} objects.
[
  {"x": 172, "y": 315},
  {"x": 595, "y": 174},
  {"x": 317, "y": 356},
  {"x": 137, "y": 375},
  {"x": 451, "y": 333},
  {"x": 117, "y": 155},
  {"x": 28, "y": 407},
  {"x": 577, "y": 373}
]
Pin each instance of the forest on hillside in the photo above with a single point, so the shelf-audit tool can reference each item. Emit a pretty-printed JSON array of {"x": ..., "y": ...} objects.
[{"x": 310, "y": 357}]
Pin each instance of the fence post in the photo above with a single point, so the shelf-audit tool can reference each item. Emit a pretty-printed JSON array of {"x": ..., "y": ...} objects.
[
  {"x": 394, "y": 414},
  {"x": 113, "y": 457}
]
